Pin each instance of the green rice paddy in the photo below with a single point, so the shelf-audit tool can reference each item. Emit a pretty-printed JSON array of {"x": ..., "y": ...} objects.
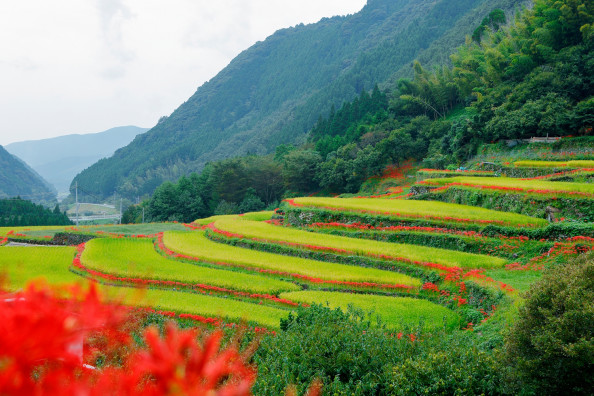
[
  {"x": 137, "y": 258},
  {"x": 196, "y": 244},
  {"x": 22, "y": 264},
  {"x": 429, "y": 209},
  {"x": 364, "y": 247},
  {"x": 537, "y": 185},
  {"x": 555, "y": 164},
  {"x": 395, "y": 312}
]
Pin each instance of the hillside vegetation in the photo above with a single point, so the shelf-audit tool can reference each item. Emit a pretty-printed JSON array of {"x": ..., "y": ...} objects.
[
  {"x": 17, "y": 179},
  {"x": 273, "y": 92}
]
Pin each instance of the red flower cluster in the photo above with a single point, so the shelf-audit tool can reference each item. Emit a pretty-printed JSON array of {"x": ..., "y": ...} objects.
[
  {"x": 3, "y": 240},
  {"x": 570, "y": 247},
  {"x": 193, "y": 226},
  {"x": 41, "y": 344}
]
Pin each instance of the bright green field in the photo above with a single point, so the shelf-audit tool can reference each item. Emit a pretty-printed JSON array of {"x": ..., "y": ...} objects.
[
  {"x": 197, "y": 245},
  {"x": 251, "y": 216},
  {"x": 420, "y": 208},
  {"x": 210, "y": 306},
  {"x": 524, "y": 184},
  {"x": 138, "y": 258},
  {"x": 23, "y": 263},
  {"x": 555, "y": 164},
  {"x": 396, "y": 312},
  {"x": 41, "y": 230},
  {"x": 450, "y": 258}
]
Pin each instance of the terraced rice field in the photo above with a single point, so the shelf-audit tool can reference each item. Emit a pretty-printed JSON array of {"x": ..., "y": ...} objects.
[
  {"x": 430, "y": 210},
  {"x": 555, "y": 164},
  {"x": 138, "y": 258},
  {"x": 346, "y": 245},
  {"x": 195, "y": 244},
  {"x": 511, "y": 185},
  {"x": 22, "y": 264},
  {"x": 201, "y": 272}
]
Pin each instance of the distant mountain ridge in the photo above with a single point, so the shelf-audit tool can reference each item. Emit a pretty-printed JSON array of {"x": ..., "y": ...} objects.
[
  {"x": 17, "y": 179},
  {"x": 273, "y": 92},
  {"x": 61, "y": 158}
]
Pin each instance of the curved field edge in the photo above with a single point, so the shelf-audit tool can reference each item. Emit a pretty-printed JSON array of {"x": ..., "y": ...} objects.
[
  {"x": 513, "y": 184},
  {"x": 197, "y": 245},
  {"x": 395, "y": 312},
  {"x": 125, "y": 257},
  {"x": 427, "y": 210},
  {"x": 306, "y": 239},
  {"x": 555, "y": 164},
  {"x": 51, "y": 264}
]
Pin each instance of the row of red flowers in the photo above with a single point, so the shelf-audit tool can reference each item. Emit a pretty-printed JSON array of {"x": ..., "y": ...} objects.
[
  {"x": 468, "y": 171},
  {"x": 202, "y": 288},
  {"x": 504, "y": 188},
  {"x": 306, "y": 278},
  {"x": 438, "y": 230},
  {"x": 450, "y": 273},
  {"x": 566, "y": 173},
  {"x": 396, "y": 214}
]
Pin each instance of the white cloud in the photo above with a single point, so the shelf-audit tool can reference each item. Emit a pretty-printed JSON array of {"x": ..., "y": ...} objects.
[{"x": 81, "y": 66}]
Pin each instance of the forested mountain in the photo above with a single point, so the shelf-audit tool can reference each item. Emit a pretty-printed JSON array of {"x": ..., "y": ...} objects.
[
  {"x": 534, "y": 77},
  {"x": 274, "y": 92},
  {"x": 61, "y": 158},
  {"x": 17, "y": 179}
]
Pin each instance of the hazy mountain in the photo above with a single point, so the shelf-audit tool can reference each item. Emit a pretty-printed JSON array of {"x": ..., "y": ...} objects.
[
  {"x": 274, "y": 92},
  {"x": 61, "y": 158},
  {"x": 17, "y": 179}
]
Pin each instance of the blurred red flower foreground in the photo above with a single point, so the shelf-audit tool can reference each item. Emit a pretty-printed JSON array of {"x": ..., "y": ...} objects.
[{"x": 41, "y": 351}]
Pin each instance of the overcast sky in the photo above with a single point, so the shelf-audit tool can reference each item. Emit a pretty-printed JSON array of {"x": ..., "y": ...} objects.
[{"x": 84, "y": 66}]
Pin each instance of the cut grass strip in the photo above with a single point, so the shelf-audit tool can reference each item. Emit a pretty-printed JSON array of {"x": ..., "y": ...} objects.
[
  {"x": 195, "y": 244},
  {"x": 513, "y": 185},
  {"x": 395, "y": 312},
  {"x": 430, "y": 210},
  {"x": 555, "y": 164},
  {"x": 25, "y": 263},
  {"x": 419, "y": 255},
  {"x": 137, "y": 258}
]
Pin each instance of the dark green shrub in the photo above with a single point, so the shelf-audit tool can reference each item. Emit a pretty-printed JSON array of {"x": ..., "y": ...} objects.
[
  {"x": 551, "y": 346},
  {"x": 342, "y": 349}
]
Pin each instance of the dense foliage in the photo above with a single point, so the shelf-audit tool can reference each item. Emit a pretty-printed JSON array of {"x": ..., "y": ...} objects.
[
  {"x": 20, "y": 212},
  {"x": 551, "y": 346},
  {"x": 352, "y": 355},
  {"x": 273, "y": 92},
  {"x": 440, "y": 116},
  {"x": 16, "y": 178}
]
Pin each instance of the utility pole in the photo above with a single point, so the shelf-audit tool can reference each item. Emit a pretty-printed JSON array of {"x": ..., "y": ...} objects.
[
  {"x": 120, "y": 210},
  {"x": 76, "y": 189},
  {"x": 143, "y": 215}
]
